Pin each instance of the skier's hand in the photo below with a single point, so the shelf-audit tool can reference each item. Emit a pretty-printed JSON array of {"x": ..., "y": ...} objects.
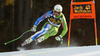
[
  {"x": 58, "y": 38},
  {"x": 33, "y": 29}
]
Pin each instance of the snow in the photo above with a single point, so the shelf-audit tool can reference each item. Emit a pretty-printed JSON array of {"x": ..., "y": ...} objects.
[{"x": 58, "y": 51}]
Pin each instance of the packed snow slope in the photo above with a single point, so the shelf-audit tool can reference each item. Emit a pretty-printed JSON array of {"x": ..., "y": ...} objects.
[{"x": 59, "y": 51}]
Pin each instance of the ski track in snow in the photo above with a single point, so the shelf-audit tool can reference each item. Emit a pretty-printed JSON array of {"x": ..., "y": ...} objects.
[{"x": 58, "y": 51}]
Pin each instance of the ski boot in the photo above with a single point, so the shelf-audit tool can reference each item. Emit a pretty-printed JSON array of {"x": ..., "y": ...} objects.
[{"x": 39, "y": 40}]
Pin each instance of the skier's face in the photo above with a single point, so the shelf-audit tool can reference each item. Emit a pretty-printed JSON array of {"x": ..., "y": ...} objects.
[{"x": 56, "y": 13}]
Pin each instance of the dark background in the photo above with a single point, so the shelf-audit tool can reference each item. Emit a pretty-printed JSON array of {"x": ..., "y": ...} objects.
[{"x": 18, "y": 16}]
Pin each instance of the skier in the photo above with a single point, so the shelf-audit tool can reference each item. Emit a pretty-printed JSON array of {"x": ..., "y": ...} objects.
[{"x": 55, "y": 18}]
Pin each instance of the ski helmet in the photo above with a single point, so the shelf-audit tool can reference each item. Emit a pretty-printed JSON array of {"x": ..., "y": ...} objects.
[{"x": 58, "y": 8}]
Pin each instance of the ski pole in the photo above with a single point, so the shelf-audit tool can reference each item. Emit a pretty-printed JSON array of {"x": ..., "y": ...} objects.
[
  {"x": 61, "y": 41},
  {"x": 17, "y": 38}
]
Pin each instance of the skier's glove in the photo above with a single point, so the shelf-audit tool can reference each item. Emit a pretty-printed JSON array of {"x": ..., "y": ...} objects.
[
  {"x": 58, "y": 38},
  {"x": 33, "y": 28}
]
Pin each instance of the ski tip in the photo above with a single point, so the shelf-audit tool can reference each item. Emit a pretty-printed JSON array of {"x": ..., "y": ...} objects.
[{"x": 5, "y": 43}]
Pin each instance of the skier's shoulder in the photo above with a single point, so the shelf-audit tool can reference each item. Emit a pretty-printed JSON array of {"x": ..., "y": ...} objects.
[
  {"x": 47, "y": 14},
  {"x": 63, "y": 16}
]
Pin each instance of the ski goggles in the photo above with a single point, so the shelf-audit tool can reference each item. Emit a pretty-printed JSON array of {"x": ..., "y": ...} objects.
[{"x": 56, "y": 12}]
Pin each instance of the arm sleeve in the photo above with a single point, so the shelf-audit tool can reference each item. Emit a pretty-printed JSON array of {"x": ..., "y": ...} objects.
[
  {"x": 42, "y": 18},
  {"x": 64, "y": 25}
]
